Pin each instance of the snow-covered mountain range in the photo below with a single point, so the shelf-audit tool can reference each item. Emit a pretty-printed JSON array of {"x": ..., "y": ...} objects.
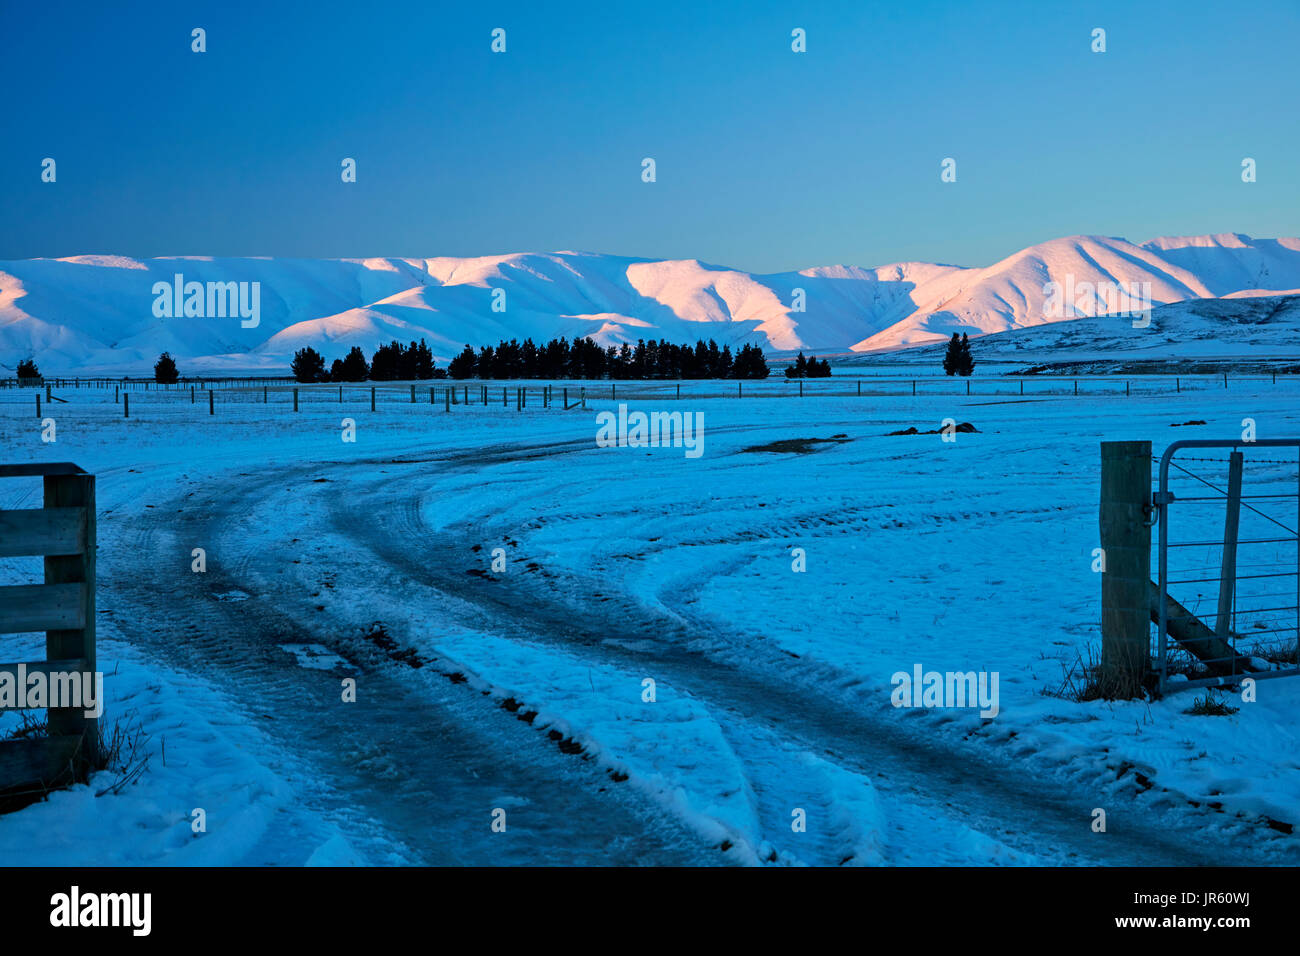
[{"x": 112, "y": 313}]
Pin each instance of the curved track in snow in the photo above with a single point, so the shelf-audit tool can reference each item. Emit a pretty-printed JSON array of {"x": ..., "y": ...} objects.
[{"x": 412, "y": 771}]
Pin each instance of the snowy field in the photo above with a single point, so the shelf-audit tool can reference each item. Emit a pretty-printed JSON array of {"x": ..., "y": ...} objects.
[{"x": 522, "y": 687}]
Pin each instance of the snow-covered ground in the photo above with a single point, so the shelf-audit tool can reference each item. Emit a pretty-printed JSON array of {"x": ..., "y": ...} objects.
[{"x": 643, "y": 677}]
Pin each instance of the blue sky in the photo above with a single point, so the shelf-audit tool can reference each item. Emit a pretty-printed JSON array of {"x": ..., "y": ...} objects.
[{"x": 766, "y": 159}]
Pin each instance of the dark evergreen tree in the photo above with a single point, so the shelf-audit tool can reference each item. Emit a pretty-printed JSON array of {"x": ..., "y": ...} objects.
[
  {"x": 386, "y": 364},
  {"x": 530, "y": 359},
  {"x": 421, "y": 361},
  {"x": 966, "y": 361},
  {"x": 462, "y": 366},
  {"x": 308, "y": 365},
  {"x": 28, "y": 373},
  {"x": 354, "y": 367},
  {"x": 164, "y": 370},
  {"x": 750, "y": 363},
  {"x": 952, "y": 358}
]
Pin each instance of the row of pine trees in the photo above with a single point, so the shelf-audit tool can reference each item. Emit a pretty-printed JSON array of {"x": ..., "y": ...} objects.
[
  {"x": 808, "y": 368},
  {"x": 585, "y": 359},
  {"x": 557, "y": 359},
  {"x": 390, "y": 363}
]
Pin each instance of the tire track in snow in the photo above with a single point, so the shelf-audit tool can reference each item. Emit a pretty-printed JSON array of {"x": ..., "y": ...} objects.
[
  {"x": 412, "y": 770},
  {"x": 979, "y": 791}
]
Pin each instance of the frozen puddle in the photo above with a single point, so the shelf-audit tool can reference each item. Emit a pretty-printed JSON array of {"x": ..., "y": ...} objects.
[
  {"x": 315, "y": 657},
  {"x": 232, "y": 595}
]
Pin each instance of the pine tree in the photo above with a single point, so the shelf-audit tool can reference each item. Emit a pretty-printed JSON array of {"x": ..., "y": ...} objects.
[
  {"x": 386, "y": 365},
  {"x": 462, "y": 366},
  {"x": 952, "y": 358},
  {"x": 354, "y": 366},
  {"x": 164, "y": 370},
  {"x": 28, "y": 373},
  {"x": 308, "y": 365},
  {"x": 421, "y": 360},
  {"x": 724, "y": 363},
  {"x": 966, "y": 362}
]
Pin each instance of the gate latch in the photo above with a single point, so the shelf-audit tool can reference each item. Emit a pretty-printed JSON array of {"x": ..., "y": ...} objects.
[{"x": 1158, "y": 500}]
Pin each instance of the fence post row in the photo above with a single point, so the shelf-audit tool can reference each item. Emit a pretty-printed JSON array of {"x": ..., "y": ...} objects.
[{"x": 63, "y": 533}]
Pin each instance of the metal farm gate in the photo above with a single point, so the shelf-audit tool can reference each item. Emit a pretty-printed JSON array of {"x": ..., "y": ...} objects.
[{"x": 1228, "y": 604}]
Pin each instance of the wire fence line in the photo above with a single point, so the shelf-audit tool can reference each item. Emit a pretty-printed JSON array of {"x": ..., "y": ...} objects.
[{"x": 842, "y": 386}]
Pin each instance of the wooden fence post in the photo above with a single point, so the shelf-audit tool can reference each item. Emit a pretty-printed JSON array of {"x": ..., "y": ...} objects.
[
  {"x": 1126, "y": 566},
  {"x": 212, "y": 402},
  {"x": 64, "y": 607},
  {"x": 372, "y": 398},
  {"x": 74, "y": 491},
  {"x": 295, "y": 399},
  {"x": 1228, "y": 567},
  {"x": 126, "y": 405}
]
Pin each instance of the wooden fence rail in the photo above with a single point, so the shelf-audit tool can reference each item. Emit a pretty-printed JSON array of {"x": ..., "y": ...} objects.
[{"x": 63, "y": 606}]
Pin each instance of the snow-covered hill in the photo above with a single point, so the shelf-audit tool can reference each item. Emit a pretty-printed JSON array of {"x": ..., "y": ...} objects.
[
  {"x": 108, "y": 313},
  {"x": 1233, "y": 330}
]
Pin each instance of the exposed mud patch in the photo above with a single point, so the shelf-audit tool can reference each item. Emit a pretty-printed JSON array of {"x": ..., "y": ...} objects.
[{"x": 796, "y": 446}]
